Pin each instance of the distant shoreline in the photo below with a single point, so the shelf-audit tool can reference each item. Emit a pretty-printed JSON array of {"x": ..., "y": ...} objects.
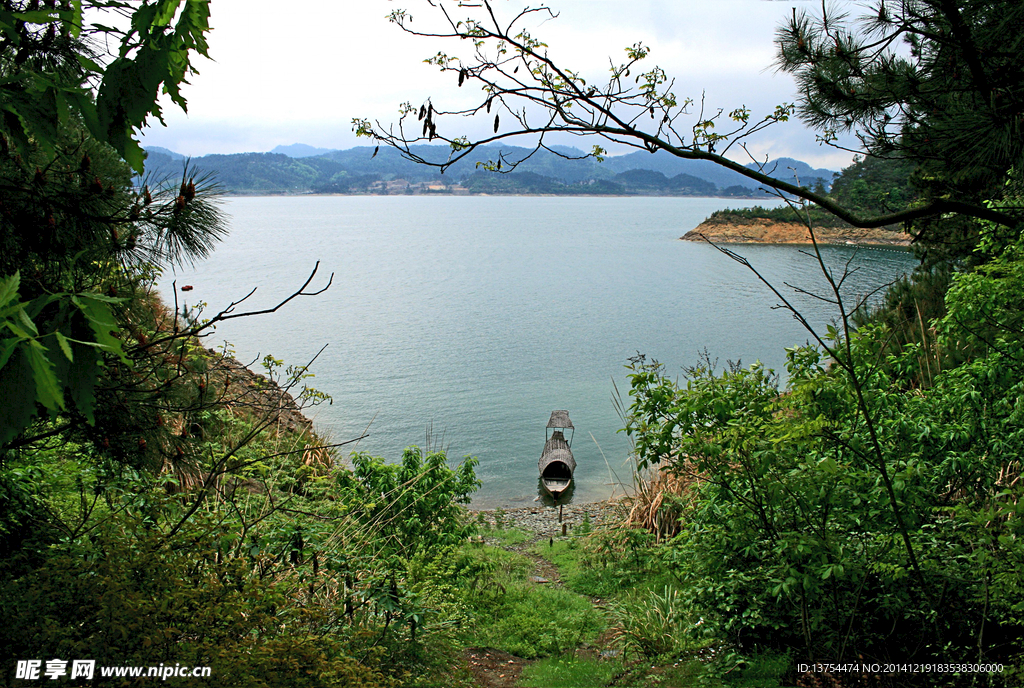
[{"x": 272, "y": 194}]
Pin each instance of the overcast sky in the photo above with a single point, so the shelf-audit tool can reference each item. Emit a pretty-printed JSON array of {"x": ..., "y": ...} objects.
[{"x": 300, "y": 74}]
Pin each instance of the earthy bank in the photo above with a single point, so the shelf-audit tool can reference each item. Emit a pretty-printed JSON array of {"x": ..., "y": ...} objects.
[{"x": 742, "y": 230}]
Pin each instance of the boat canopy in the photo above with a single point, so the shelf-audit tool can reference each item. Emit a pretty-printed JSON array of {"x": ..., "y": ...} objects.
[
  {"x": 557, "y": 463},
  {"x": 560, "y": 419}
]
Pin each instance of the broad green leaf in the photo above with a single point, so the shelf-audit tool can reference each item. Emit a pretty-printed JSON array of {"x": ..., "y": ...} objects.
[
  {"x": 89, "y": 64},
  {"x": 86, "y": 107},
  {"x": 26, "y": 322},
  {"x": 17, "y": 389},
  {"x": 48, "y": 392},
  {"x": 104, "y": 298},
  {"x": 142, "y": 20},
  {"x": 102, "y": 322},
  {"x": 36, "y": 17},
  {"x": 20, "y": 333},
  {"x": 165, "y": 12},
  {"x": 81, "y": 380},
  {"x": 9, "y": 288},
  {"x": 64, "y": 346},
  {"x": 7, "y": 347},
  {"x": 76, "y": 18}
]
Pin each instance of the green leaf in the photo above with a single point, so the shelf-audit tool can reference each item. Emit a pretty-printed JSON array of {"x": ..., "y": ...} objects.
[
  {"x": 20, "y": 333},
  {"x": 165, "y": 12},
  {"x": 9, "y": 288},
  {"x": 89, "y": 64},
  {"x": 17, "y": 389},
  {"x": 35, "y": 17},
  {"x": 76, "y": 18},
  {"x": 104, "y": 298},
  {"x": 81, "y": 379},
  {"x": 64, "y": 346},
  {"x": 26, "y": 322},
  {"x": 102, "y": 322},
  {"x": 48, "y": 391},
  {"x": 7, "y": 347}
]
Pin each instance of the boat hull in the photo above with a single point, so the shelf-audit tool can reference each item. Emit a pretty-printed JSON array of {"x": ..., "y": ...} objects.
[
  {"x": 556, "y": 464},
  {"x": 555, "y": 488}
]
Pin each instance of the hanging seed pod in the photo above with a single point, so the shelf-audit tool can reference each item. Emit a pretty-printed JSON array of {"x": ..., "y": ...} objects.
[
  {"x": 496, "y": 124},
  {"x": 423, "y": 112},
  {"x": 462, "y": 76},
  {"x": 652, "y": 112},
  {"x": 489, "y": 105},
  {"x": 516, "y": 70},
  {"x": 376, "y": 148}
]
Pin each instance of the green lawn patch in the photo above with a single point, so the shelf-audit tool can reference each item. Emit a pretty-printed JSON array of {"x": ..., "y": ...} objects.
[
  {"x": 568, "y": 672},
  {"x": 527, "y": 619}
]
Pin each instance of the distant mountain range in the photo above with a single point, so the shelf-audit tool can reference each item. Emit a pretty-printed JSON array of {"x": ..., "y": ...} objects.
[{"x": 299, "y": 168}]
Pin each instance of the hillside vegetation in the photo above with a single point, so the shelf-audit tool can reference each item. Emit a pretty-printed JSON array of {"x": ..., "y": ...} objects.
[
  {"x": 364, "y": 170},
  {"x": 867, "y": 187}
]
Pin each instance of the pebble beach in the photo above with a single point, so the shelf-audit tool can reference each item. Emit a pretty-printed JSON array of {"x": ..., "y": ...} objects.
[{"x": 544, "y": 521}]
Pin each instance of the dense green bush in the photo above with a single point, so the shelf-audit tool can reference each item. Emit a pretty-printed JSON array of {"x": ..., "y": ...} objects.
[{"x": 851, "y": 513}]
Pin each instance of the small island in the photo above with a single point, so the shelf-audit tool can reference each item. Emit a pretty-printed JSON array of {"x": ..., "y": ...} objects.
[
  {"x": 869, "y": 187},
  {"x": 732, "y": 227}
]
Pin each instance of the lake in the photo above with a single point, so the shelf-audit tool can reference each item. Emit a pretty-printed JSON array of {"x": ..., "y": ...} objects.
[{"x": 469, "y": 319}]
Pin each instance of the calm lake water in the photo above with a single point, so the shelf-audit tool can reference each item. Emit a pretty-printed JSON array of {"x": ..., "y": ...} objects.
[{"x": 477, "y": 316}]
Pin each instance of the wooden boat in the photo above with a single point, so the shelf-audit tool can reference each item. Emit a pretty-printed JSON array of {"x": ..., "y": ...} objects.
[{"x": 556, "y": 461}]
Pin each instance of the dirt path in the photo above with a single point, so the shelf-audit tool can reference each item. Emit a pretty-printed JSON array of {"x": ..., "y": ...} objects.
[{"x": 493, "y": 668}]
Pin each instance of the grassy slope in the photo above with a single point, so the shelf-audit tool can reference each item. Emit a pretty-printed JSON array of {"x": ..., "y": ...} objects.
[{"x": 577, "y": 628}]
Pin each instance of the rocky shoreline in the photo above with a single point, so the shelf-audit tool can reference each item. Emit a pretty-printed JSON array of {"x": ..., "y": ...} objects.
[
  {"x": 540, "y": 520},
  {"x": 765, "y": 231},
  {"x": 256, "y": 394}
]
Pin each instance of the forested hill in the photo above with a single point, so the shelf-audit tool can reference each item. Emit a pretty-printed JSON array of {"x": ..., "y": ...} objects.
[
  {"x": 869, "y": 186},
  {"x": 303, "y": 169}
]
